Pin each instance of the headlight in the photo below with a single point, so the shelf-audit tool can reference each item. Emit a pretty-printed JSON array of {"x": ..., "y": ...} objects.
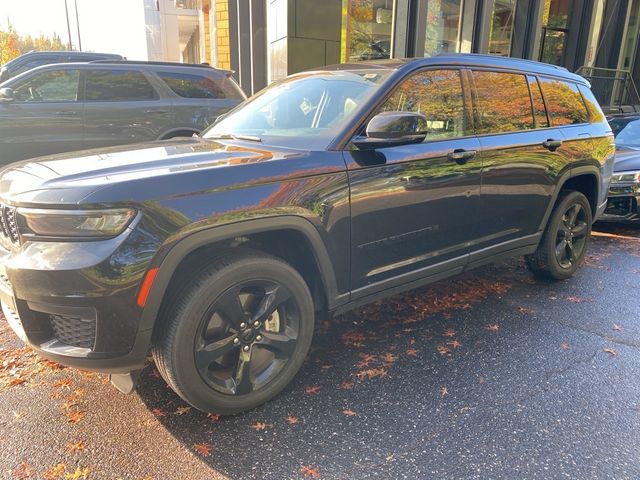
[
  {"x": 74, "y": 223},
  {"x": 626, "y": 177}
]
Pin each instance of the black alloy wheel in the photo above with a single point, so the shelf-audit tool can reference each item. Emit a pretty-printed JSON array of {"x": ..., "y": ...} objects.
[
  {"x": 564, "y": 242},
  {"x": 247, "y": 337},
  {"x": 236, "y": 334}
]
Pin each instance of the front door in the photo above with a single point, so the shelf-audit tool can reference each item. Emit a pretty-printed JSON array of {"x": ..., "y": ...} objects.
[
  {"x": 413, "y": 206},
  {"x": 44, "y": 117}
]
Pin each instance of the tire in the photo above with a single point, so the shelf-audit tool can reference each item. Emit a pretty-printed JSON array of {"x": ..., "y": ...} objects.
[
  {"x": 565, "y": 240},
  {"x": 207, "y": 347}
]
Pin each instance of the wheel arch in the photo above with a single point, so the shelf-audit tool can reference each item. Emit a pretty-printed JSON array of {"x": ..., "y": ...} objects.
[{"x": 171, "y": 262}]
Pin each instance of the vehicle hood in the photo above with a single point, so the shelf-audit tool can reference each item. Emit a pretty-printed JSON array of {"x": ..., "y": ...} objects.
[
  {"x": 68, "y": 178},
  {"x": 627, "y": 159}
]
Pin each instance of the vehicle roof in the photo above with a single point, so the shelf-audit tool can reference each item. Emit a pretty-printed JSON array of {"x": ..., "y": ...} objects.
[
  {"x": 68, "y": 52},
  {"x": 463, "y": 59},
  {"x": 166, "y": 66}
]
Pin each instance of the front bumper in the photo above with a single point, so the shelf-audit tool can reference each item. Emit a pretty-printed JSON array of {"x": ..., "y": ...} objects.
[
  {"x": 75, "y": 302},
  {"x": 623, "y": 205}
]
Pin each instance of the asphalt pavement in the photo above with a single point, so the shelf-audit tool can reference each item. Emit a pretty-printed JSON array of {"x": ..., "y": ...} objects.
[{"x": 488, "y": 375}]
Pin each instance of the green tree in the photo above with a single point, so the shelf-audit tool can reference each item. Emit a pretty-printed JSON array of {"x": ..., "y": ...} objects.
[{"x": 13, "y": 45}]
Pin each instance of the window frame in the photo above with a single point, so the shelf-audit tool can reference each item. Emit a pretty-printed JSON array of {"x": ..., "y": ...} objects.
[
  {"x": 83, "y": 82},
  {"x": 466, "y": 102}
]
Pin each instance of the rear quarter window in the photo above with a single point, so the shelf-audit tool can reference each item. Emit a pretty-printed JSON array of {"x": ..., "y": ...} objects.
[
  {"x": 564, "y": 102},
  {"x": 191, "y": 85},
  {"x": 593, "y": 107}
]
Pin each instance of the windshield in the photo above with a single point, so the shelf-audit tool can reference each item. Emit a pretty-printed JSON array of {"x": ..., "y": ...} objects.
[
  {"x": 304, "y": 111},
  {"x": 626, "y": 131}
]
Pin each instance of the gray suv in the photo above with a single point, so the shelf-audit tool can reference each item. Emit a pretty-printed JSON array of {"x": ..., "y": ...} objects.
[{"x": 73, "y": 106}]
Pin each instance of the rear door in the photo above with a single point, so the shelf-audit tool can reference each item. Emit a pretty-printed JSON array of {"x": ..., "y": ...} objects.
[
  {"x": 521, "y": 158},
  {"x": 122, "y": 107},
  {"x": 199, "y": 97},
  {"x": 45, "y": 116}
]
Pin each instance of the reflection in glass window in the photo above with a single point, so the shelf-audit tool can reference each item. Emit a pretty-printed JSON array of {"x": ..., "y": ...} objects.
[
  {"x": 444, "y": 23},
  {"x": 564, "y": 102},
  {"x": 191, "y": 86},
  {"x": 503, "y": 102},
  {"x": 595, "y": 112},
  {"x": 437, "y": 94},
  {"x": 117, "y": 85},
  {"x": 50, "y": 86},
  {"x": 502, "y": 27},
  {"x": 366, "y": 29},
  {"x": 554, "y": 30}
]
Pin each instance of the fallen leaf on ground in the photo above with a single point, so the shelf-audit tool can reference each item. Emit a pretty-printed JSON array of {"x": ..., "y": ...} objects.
[
  {"x": 78, "y": 474},
  {"x": 66, "y": 383},
  {"x": 442, "y": 350},
  {"x": 76, "y": 447},
  {"x": 372, "y": 373},
  {"x": 412, "y": 352},
  {"x": 611, "y": 351},
  {"x": 444, "y": 391},
  {"x": 312, "y": 390},
  {"x": 449, "y": 332},
  {"x": 454, "y": 344},
  {"x": 349, "y": 413},
  {"x": 259, "y": 426},
  {"x": 617, "y": 327},
  {"x": 309, "y": 471},
  {"x": 565, "y": 346},
  {"x": 292, "y": 420},
  {"x": 353, "y": 338},
  {"x": 23, "y": 471},
  {"x": 75, "y": 417},
  {"x": 214, "y": 417},
  {"x": 346, "y": 385},
  {"x": 158, "y": 412},
  {"x": 203, "y": 449},
  {"x": 579, "y": 299},
  {"x": 492, "y": 327},
  {"x": 55, "y": 472},
  {"x": 182, "y": 410}
]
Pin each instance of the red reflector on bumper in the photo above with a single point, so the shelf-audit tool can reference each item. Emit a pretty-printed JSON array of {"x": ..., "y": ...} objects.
[{"x": 146, "y": 286}]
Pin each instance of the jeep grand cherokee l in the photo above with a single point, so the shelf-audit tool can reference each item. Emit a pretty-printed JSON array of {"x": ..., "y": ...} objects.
[
  {"x": 327, "y": 190},
  {"x": 74, "y": 106}
]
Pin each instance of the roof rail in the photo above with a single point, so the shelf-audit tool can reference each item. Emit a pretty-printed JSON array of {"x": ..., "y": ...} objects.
[
  {"x": 142, "y": 62},
  {"x": 494, "y": 57}
]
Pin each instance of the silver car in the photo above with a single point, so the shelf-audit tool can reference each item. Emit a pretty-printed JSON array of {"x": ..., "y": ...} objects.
[{"x": 74, "y": 106}]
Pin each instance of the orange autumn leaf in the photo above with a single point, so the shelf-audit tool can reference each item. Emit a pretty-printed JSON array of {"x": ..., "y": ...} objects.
[
  {"x": 349, "y": 413},
  {"x": 442, "y": 350},
  {"x": 292, "y": 420},
  {"x": 17, "y": 381},
  {"x": 203, "y": 449},
  {"x": 353, "y": 339},
  {"x": 158, "y": 412},
  {"x": 309, "y": 471},
  {"x": 75, "y": 447},
  {"x": 75, "y": 417},
  {"x": 412, "y": 352},
  {"x": 449, "y": 332},
  {"x": 372, "y": 373},
  {"x": 389, "y": 357},
  {"x": 66, "y": 383},
  {"x": 182, "y": 410},
  {"x": 23, "y": 471},
  {"x": 55, "y": 472},
  {"x": 611, "y": 351},
  {"x": 214, "y": 417},
  {"x": 312, "y": 390},
  {"x": 454, "y": 344},
  {"x": 444, "y": 391},
  {"x": 346, "y": 385},
  {"x": 492, "y": 327},
  {"x": 259, "y": 426}
]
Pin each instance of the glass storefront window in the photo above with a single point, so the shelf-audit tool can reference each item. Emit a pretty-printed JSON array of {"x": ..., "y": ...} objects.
[
  {"x": 632, "y": 37},
  {"x": 444, "y": 24},
  {"x": 502, "y": 27},
  {"x": 366, "y": 29},
  {"x": 554, "y": 30}
]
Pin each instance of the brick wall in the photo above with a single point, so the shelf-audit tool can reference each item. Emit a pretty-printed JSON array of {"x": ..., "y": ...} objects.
[{"x": 222, "y": 34}]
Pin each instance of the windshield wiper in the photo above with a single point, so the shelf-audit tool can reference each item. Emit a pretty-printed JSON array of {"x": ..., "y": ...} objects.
[{"x": 231, "y": 136}]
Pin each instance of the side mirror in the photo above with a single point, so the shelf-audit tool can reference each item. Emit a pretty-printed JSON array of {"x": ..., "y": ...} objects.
[
  {"x": 6, "y": 94},
  {"x": 393, "y": 128}
]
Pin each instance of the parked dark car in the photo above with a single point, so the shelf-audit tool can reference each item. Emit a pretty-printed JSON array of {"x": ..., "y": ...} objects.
[
  {"x": 327, "y": 190},
  {"x": 624, "y": 192},
  {"x": 35, "y": 59},
  {"x": 73, "y": 106}
]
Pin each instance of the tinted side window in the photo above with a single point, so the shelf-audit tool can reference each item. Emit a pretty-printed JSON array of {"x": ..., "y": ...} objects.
[
  {"x": 564, "y": 102},
  {"x": 191, "y": 86},
  {"x": 33, "y": 64},
  {"x": 437, "y": 94},
  {"x": 117, "y": 85},
  {"x": 50, "y": 86},
  {"x": 503, "y": 102},
  {"x": 595, "y": 112},
  {"x": 539, "y": 110}
]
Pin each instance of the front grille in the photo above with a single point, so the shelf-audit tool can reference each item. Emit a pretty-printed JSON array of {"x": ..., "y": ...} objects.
[
  {"x": 8, "y": 225},
  {"x": 74, "y": 331}
]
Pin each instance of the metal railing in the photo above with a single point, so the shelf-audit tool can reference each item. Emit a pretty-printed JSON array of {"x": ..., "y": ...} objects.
[{"x": 614, "y": 89}]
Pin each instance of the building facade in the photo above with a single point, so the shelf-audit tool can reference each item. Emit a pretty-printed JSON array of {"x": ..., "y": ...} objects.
[{"x": 265, "y": 40}]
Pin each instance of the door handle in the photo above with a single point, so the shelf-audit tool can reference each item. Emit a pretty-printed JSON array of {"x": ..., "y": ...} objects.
[
  {"x": 67, "y": 114},
  {"x": 461, "y": 156},
  {"x": 551, "y": 144}
]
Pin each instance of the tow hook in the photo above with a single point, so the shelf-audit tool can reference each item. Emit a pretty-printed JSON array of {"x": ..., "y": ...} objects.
[{"x": 125, "y": 382}]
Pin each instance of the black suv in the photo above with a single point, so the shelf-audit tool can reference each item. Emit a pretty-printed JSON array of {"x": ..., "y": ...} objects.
[
  {"x": 327, "y": 190},
  {"x": 35, "y": 59}
]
